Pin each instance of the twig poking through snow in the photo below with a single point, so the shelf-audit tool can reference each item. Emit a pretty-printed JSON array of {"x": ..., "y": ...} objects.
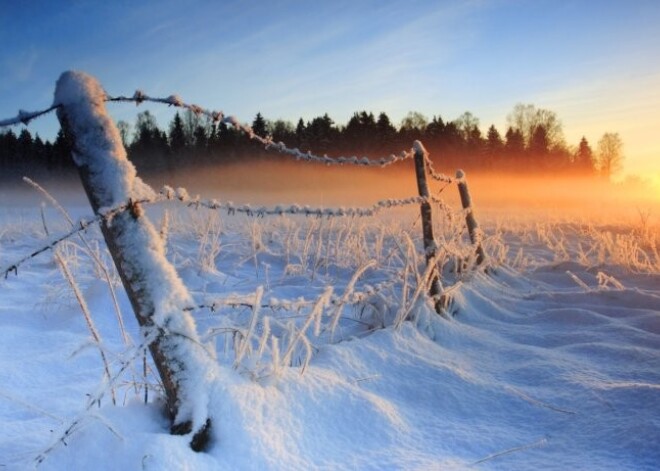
[
  {"x": 88, "y": 317},
  {"x": 578, "y": 281}
]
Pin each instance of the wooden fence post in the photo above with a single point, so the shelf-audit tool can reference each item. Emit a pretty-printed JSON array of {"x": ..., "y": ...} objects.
[
  {"x": 430, "y": 247},
  {"x": 470, "y": 221},
  {"x": 156, "y": 293}
]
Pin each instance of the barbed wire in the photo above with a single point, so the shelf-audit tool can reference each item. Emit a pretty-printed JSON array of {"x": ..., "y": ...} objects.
[
  {"x": 436, "y": 175},
  {"x": 167, "y": 193},
  {"x": 182, "y": 195},
  {"x": 78, "y": 227},
  {"x": 81, "y": 226},
  {"x": 218, "y": 117},
  {"x": 248, "y": 300},
  {"x": 24, "y": 117}
]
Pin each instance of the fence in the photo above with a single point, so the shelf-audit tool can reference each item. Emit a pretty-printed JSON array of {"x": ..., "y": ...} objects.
[{"x": 159, "y": 298}]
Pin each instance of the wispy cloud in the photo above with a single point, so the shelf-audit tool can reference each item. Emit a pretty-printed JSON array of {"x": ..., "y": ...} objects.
[
  {"x": 391, "y": 55},
  {"x": 21, "y": 64}
]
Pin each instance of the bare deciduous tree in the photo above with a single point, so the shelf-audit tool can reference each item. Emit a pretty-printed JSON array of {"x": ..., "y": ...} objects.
[
  {"x": 527, "y": 118},
  {"x": 610, "y": 154}
]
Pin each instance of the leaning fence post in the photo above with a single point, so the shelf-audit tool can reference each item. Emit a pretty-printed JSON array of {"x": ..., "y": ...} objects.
[
  {"x": 430, "y": 247},
  {"x": 470, "y": 221},
  {"x": 157, "y": 294}
]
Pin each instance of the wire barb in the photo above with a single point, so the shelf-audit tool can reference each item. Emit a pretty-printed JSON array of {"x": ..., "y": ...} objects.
[{"x": 24, "y": 117}]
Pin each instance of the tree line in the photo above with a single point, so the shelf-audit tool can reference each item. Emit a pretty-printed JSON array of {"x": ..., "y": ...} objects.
[{"x": 532, "y": 143}]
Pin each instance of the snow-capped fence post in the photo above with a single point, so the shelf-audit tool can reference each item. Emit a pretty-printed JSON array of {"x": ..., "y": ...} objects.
[
  {"x": 470, "y": 221},
  {"x": 156, "y": 293},
  {"x": 430, "y": 247}
]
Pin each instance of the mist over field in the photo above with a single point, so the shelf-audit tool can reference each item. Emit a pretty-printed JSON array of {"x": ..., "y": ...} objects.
[{"x": 279, "y": 180}]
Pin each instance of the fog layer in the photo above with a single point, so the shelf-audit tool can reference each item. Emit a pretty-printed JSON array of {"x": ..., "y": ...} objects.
[{"x": 273, "y": 182}]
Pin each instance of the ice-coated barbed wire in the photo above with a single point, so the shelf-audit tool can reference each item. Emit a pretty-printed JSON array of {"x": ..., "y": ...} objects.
[
  {"x": 434, "y": 174},
  {"x": 24, "y": 117},
  {"x": 218, "y": 117},
  {"x": 182, "y": 195},
  {"x": 168, "y": 193},
  {"x": 248, "y": 300},
  {"x": 78, "y": 227}
]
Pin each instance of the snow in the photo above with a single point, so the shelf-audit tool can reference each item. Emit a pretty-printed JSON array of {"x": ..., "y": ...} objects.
[
  {"x": 99, "y": 146},
  {"x": 418, "y": 147},
  {"x": 161, "y": 295},
  {"x": 536, "y": 370}
]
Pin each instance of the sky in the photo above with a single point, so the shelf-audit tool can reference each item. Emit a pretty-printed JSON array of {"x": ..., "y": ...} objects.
[{"x": 595, "y": 63}]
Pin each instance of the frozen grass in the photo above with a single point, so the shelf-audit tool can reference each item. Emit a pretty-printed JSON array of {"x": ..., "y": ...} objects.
[{"x": 550, "y": 361}]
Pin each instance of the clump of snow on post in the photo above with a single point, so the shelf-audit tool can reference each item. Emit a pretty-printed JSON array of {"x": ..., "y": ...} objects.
[
  {"x": 98, "y": 145},
  {"x": 419, "y": 147},
  {"x": 112, "y": 180}
]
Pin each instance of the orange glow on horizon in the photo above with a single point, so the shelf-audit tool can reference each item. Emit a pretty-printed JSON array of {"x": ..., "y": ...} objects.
[{"x": 268, "y": 182}]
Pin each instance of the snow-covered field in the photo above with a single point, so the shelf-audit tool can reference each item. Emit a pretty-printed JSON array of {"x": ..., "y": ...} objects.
[{"x": 550, "y": 361}]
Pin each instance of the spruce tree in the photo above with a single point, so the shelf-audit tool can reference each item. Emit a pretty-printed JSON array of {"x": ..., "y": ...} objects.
[
  {"x": 177, "y": 137},
  {"x": 584, "y": 158}
]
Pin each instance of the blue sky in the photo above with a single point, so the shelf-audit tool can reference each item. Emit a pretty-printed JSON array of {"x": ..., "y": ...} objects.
[{"x": 595, "y": 63}]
